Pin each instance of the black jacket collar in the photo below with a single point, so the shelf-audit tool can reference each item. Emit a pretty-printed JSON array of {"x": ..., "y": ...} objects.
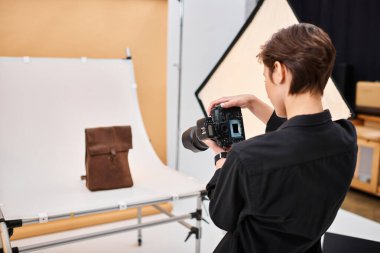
[{"x": 308, "y": 120}]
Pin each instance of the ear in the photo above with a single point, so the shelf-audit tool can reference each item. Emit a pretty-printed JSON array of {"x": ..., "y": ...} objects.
[{"x": 278, "y": 73}]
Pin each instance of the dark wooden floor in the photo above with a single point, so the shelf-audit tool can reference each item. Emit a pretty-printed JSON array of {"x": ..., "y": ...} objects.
[{"x": 363, "y": 204}]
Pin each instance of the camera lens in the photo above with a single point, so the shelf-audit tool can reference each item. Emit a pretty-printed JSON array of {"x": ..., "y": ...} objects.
[{"x": 191, "y": 141}]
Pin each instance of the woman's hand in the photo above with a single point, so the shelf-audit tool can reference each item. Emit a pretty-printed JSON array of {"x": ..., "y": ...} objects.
[
  {"x": 212, "y": 144},
  {"x": 260, "y": 109},
  {"x": 243, "y": 101}
]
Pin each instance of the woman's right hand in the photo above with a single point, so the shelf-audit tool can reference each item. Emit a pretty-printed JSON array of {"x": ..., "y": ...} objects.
[
  {"x": 260, "y": 109},
  {"x": 243, "y": 101}
]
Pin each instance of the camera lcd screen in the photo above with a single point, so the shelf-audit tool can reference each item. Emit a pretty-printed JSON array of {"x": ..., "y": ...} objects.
[{"x": 235, "y": 128}]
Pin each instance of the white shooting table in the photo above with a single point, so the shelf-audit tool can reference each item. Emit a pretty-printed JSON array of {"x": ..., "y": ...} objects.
[{"x": 45, "y": 105}]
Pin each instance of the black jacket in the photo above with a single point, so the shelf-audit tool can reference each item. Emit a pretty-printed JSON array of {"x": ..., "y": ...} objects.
[{"x": 279, "y": 192}]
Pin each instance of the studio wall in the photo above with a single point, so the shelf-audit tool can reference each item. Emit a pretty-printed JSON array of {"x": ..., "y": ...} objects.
[
  {"x": 97, "y": 29},
  {"x": 208, "y": 28}
]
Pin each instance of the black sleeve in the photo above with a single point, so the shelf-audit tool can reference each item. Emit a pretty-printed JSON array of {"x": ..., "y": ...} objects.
[
  {"x": 274, "y": 122},
  {"x": 224, "y": 191}
]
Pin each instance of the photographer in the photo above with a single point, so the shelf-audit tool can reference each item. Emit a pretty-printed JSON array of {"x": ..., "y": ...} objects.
[{"x": 280, "y": 191}]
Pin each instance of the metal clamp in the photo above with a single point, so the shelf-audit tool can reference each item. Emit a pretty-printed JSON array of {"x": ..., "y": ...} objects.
[
  {"x": 123, "y": 205},
  {"x": 5, "y": 244},
  {"x": 43, "y": 217},
  {"x": 175, "y": 197},
  {"x": 195, "y": 231},
  {"x": 128, "y": 54}
]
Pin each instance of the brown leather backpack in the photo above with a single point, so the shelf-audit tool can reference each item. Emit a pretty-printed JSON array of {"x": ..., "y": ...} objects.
[{"x": 107, "y": 164}]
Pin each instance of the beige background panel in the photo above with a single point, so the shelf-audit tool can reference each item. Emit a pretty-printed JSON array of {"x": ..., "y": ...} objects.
[
  {"x": 241, "y": 72},
  {"x": 97, "y": 29}
]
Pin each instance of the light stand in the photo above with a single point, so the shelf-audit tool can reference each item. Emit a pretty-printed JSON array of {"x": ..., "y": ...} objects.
[{"x": 181, "y": 10}]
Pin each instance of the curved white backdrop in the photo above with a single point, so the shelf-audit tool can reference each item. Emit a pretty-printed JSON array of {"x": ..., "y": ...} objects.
[{"x": 45, "y": 105}]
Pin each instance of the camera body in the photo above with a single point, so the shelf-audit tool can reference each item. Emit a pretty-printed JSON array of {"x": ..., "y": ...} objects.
[{"x": 224, "y": 126}]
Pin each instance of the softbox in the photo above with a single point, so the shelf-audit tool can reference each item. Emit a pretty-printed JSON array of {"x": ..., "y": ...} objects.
[{"x": 239, "y": 72}]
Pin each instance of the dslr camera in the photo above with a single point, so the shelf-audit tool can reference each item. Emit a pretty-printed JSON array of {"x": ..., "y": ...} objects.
[{"x": 224, "y": 126}]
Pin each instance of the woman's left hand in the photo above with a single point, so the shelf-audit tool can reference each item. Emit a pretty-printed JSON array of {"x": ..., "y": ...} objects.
[{"x": 212, "y": 144}]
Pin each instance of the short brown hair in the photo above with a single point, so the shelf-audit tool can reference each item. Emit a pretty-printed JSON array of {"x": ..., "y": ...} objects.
[{"x": 307, "y": 51}]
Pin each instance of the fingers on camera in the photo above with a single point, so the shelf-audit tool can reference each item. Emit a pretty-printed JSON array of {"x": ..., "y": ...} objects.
[{"x": 222, "y": 101}]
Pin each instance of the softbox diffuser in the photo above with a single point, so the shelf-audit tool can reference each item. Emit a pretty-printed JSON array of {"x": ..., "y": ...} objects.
[{"x": 239, "y": 72}]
